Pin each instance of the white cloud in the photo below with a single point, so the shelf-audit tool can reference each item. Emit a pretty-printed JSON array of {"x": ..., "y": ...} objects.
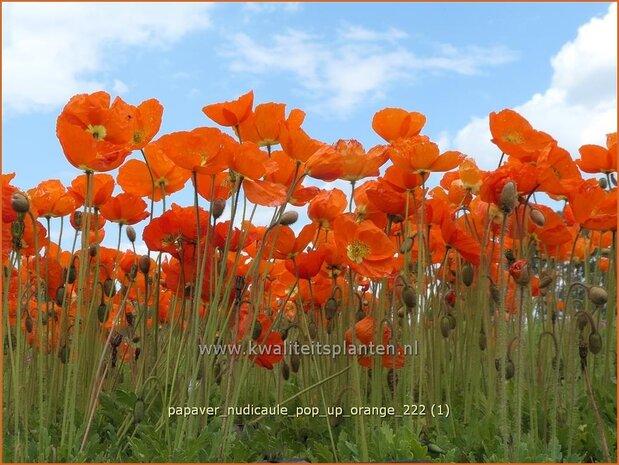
[
  {"x": 53, "y": 51},
  {"x": 354, "y": 65},
  {"x": 119, "y": 87},
  {"x": 271, "y": 7},
  {"x": 579, "y": 107}
]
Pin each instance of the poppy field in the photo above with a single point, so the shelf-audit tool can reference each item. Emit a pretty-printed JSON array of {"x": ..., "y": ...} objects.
[{"x": 430, "y": 311}]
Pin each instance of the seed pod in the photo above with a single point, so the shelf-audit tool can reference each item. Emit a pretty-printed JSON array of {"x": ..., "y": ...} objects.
[
  {"x": 482, "y": 341},
  {"x": 130, "y": 233},
  {"x": 508, "y": 197},
  {"x": 77, "y": 220},
  {"x": 144, "y": 264},
  {"x": 133, "y": 272},
  {"x": 135, "y": 339},
  {"x": 603, "y": 183},
  {"x": 495, "y": 293},
  {"x": 108, "y": 287},
  {"x": 217, "y": 208},
  {"x": 63, "y": 354},
  {"x": 595, "y": 342},
  {"x": 510, "y": 369},
  {"x": 68, "y": 275},
  {"x": 597, "y": 295},
  {"x": 445, "y": 326},
  {"x": 20, "y": 202},
  {"x": 288, "y": 218},
  {"x": 116, "y": 339},
  {"x": 256, "y": 330},
  {"x": 330, "y": 308},
  {"x": 545, "y": 280},
  {"x": 409, "y": 296},
  {"x": 452, "y": 321},
  {"x": 138, "y": 411},
  {"x": 312, "y": 331},
  {"x": 102, "y": 313},
  {"x": 60, "y": 292},
  {"x": 581, "y": 321},
  {"x": 537, "y": 217},
  {"x": 28, "y": 323},
  {"x": 285, "y": 370},
  {"x": 295, "y": 362},
  {"x": 467, "y": 274},
  {"x": 406, "y": 245}
]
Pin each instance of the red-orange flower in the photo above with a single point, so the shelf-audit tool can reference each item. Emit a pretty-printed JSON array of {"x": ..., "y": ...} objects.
[
  {"x": 231, "y": 113},
  {"x": 557, "y": 173},
  {"x": 515, "y": 136},
  {"x": 420, "y": 155},
  {"x": 393, "y": 123},
  {"x": 356, "y": 163},
  {"x": 175, "y": 229},
  {"x": 326, "y": 206},
  {"x": 368, "y": 249},
  {"x": 263, "y": 125},
  {"x": 102, "y": 188},
  {"x": 134, "y": 177},
  {"x": 51, "y": 199},
  {"x": 597, "y": 159},
  {"x": 124, "y": 209}
]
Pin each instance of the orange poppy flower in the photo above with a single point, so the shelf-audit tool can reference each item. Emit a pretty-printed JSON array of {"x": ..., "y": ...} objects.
[
  {"x": 402, "y": 180},
  {"x": 134, "y": 177},
  {"x": 231, "y": 113},
  {"x": 515, "y": 136},
  {"x": 356, "y": 163},
  {"x": 326, "y": 206},
  {"x": 394, "y": 123},
  {"x": 264, "y": 124},
  {"x": 306, "y": 265},
  {"x": 286, "y": 244},
  {"x": 103, "y": 186},
  {"x": 367, "y": 210},
  {"x": 297, "y": 144},
  {"x": 457, "y": 238},
  {"x": 271, "y": 350},
  {"x": 523, "y": 175},
  {"x": 557, "y": 173},
  {"x": 554, "y": 232},
  {"x": 211, "y": 187},
  {"x": 8, "y": 214},
  {"x": 419, "y": 155},
  {"x": 368, "y": 249},
  {"x": 385, "y": 198},
  {"x": 593, "y": 207},
  {"x": 285, "y": 174},
  {"x": 51, "y": 199},
  {"x": 95, "y": 135},
  {"x": 597, "y": 159},
  {"x": 325, "y": 164},
  {"x": 144, "y": 121},
  {"x": 124, "y": 209},
  {"x": 203, "y": 150},
  {"x": 175, "y": 229}
]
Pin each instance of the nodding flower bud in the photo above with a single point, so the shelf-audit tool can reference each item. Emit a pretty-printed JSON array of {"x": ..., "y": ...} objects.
[
  {"x": 144, "y": 264},
  {"x": 130, "y": 233},
  {"x": 407, "y": 244},
  {"x": 521, "y": 272},
  {"x": 507, "y": 200},
  {"x": 20, "y": 202},
  {"x": 217, "y": 208},
  {"x": 603, "y": 183},
  {"x": 597, "y": 295},
  {"x": 467, "y": 274},
  {"x": 288, "y": 218},
  {"x": 77, "y": 220},
  {"x": 545, "y": 279},
  {"x": 92, "y": 250},
  {"x": 537, "y": 217}
]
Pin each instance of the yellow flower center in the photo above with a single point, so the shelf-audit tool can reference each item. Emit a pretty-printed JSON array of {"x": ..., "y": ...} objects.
[
  {"x": 138, "y": 136},
  {"x": 357, "y": 251},
  {"x": 98, "y": 131},
  {"x": 513, "y": 137}
]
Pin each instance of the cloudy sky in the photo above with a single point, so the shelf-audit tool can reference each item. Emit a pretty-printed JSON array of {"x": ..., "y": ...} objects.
[{"x": 456, "y": 62}]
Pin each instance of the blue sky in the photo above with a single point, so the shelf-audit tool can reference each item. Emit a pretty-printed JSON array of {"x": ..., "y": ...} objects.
[{"x": 340, "y": 62}]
